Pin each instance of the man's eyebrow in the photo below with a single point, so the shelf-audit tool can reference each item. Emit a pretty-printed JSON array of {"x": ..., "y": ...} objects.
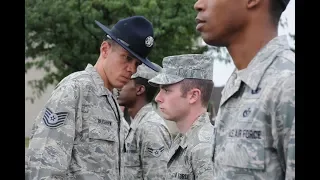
[
  {"x": 128, "y": 53},
  {"x": 164, "y": 86},
  {"x": 132, "y": 56}
]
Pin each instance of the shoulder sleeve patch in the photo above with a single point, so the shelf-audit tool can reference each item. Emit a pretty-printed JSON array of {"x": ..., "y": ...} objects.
[
  {"x": 54, "y": 120},
  {"x": 156, "y": 152}
]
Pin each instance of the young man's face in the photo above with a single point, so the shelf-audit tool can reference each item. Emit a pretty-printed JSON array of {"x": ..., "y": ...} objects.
[
  {"x": 219, "y": 20},
  {"x": 171, "y": 103},
  {"x": 118, "y": 65},
  {"x": 127, "y": 95}
]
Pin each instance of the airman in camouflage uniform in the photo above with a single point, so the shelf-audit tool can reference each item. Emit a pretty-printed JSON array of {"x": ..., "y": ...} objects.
[
  {"x": 79, "y": 134},
  {"x": 255, "y": 127},
  {"x": 186, "y": 87},
  {"x": 149, "y": 139},
  {"x": 255, "y": 124}
]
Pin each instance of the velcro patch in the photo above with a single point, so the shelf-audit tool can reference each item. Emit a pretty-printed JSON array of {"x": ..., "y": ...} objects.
[
  {"x": 54, "y": 120},
  {"x": 205, "y": 134},
  {"x": 156, "y": 152}
]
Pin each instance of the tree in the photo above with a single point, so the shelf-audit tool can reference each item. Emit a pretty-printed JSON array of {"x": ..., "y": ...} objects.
[{"x": 63, "y": 34}]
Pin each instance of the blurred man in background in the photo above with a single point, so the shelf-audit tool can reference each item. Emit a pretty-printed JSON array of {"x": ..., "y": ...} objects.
[{"x": 149, "y": 139}]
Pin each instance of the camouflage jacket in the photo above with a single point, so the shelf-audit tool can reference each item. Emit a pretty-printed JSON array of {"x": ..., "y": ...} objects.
[
  {"x": 191, "y": 154},
  {"x": 255, "y": 124},
  {"x": 126, "y": 126},
  {"x": 146, "y": 146},
  {"x": 78, "y": 133}
]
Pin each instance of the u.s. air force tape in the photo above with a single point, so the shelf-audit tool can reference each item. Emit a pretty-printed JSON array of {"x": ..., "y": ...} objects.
[{"x": 54, "y": 120}]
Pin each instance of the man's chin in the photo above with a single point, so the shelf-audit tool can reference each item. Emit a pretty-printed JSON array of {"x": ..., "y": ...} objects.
[
  {"x": 121, "y": 103},
  {"x": 119, "y": 85},
  {"x": 213, "y": 41},
  {"x": 165, "y": 116}
]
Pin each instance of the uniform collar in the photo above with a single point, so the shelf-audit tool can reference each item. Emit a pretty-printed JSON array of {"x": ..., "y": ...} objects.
[
  {"x": 101, "y": 90},
  {"x": 186, "y": 138},
  {"x": 141, "y": 113},
  {"x": 253, "y": 74}
]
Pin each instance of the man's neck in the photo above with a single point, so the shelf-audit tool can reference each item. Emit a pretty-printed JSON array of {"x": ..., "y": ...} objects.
[
  {"x": 99, "y": 68},
  {"x": 136, "y": 107},
  {"x": 185, "y": 124},
  {"x": 247, "y": 45}
]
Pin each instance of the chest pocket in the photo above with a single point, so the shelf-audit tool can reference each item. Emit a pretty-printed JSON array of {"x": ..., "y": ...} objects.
[
  {"x": 242, "y": 153},
  {"x": 103, "y": 130},
  {"x": 102, "y": 146},
  {"x": 179, "y": 166},
  {"x": 131, "y": 151}
]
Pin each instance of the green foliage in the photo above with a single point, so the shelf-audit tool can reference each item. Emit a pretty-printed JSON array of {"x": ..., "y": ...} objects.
[
  {"x": 26, "y": 142},
  {"x": 63, "y": 33}
]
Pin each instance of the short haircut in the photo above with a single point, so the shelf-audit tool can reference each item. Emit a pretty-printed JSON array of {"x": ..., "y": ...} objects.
[
  {"x": 150, "y": 91},
  {"x": 111, "y": 42},
  {"x": 275, "y": 10},
  {"x": 205, "y": 86}
]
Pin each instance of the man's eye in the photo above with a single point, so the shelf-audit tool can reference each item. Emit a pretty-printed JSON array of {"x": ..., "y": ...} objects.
[
  {"x": 138, "y": 63},
  {"x": 129, "y": 58}
]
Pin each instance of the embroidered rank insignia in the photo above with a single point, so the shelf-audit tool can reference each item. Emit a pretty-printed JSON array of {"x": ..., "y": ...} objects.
[
  {"x": 155, "y": 152},
  {"x": 54, "y": 120}
]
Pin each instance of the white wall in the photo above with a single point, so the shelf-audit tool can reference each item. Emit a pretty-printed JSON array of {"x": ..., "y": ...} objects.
[{"x": 32, "y": 110}]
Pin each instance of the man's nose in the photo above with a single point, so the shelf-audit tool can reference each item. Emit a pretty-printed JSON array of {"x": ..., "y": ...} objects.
[
  {"x": 158, "y": 98},
  {"x": 198, "y": 6}
]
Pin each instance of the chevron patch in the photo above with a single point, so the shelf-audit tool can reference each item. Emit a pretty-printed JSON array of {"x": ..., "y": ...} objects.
[
  {"x": 54, "y": 120},
  {"x": 155, "y": 152}
]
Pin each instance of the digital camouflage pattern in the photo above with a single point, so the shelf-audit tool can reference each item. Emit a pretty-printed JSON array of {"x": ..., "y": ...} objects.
[
  {"x": 255, "y": 124},
  {"x": 146, "y": 146},
  {"x": 84, "y": 144},
  {"x": 145, "y": 72},
  {"x": 191, "y": 153},
  {"x": 179, "y": 67},
  {"x": 126, "y": 126}
]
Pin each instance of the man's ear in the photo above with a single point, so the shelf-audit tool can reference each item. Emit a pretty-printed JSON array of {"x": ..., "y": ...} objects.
[
  {"x": 104, "y": 49},
  {"x": 140, "y": 89},
  {"x": 194, "y": 95},
  {"x": 253, "y": 3}
]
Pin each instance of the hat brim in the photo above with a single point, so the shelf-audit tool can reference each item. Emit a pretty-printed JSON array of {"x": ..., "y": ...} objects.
[
  {"x": 145, "y": 61},
  {"x": 164, "y": 79}
]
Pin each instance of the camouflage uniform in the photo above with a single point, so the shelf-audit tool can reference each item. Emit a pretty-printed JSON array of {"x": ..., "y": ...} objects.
[
  {"x": 146, "y": 146},
  {"x": 255, "y": 124},
  {"x": 148, "y": 141},
  {"x": 78, "y": 134},
  {"x": 126, "y": 126},
  {"x": 191, "y": 154}
]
